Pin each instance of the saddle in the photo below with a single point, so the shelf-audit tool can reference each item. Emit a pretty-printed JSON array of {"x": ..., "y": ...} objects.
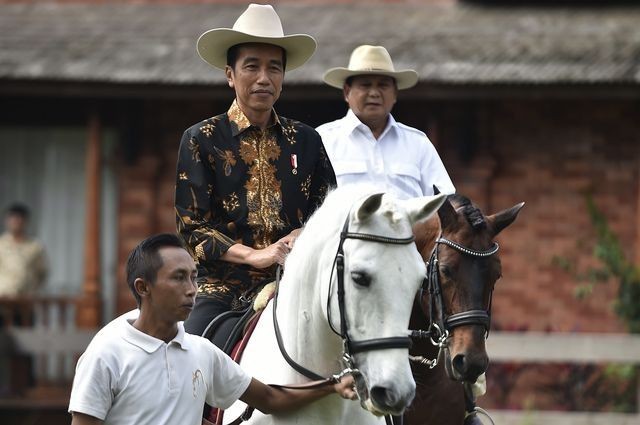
[
  {"x": 227, "y": 329},
  {"x": 230, "y": 331}
]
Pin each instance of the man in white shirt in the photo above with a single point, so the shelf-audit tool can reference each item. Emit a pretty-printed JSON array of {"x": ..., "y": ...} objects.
[
  {"x": 144, "y": 369},
  {"x": 368, "y": 145}
]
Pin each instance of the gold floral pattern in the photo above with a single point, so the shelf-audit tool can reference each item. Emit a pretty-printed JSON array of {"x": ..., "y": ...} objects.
[
  {"x": 208, "y": 129},
  {"x": 259, "y": 150},
  {"x": 237, "y": 119},
  {"x": 183, "y": 176},
  {"x": 289, "y": 131},
  {"x": 228, "y": 158},
  {"x": 200, "y": 252},
  {"x": 305, "y": 186},
  {"x": 195, "y": 150},
  {"x": 231, "y": 203}
]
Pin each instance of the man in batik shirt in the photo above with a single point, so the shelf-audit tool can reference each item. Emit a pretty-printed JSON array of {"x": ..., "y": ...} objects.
[{"x": 248, "y": 179}]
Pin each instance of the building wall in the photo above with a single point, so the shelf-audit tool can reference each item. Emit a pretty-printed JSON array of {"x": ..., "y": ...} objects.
[
  {"x": 551, "y": 155},
  {"x": 499, "y": 153}
]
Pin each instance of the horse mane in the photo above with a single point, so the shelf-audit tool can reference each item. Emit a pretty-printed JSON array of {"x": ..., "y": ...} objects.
[
  {"x": 472, "y": 213},
  {"x": 323, "y": 226},
  {"x": 325, "y": 223}
]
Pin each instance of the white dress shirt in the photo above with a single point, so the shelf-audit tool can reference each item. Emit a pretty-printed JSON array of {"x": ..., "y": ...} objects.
[{"x": 402, "y": 161}]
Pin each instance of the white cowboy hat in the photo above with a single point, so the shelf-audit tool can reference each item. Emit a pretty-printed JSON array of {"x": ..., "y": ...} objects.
[
  {"x": 370, "y": 60},
  {"x": 258, "y": 24}
]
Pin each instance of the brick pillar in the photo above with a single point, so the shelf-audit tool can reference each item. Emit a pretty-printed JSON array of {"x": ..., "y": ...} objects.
[{"x": 89, "y": 312}]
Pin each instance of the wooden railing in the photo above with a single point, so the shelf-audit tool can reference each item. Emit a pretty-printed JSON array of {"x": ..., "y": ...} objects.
[
  {"x": 42, "y": 347},
  {"x": 577, "y": 348}
]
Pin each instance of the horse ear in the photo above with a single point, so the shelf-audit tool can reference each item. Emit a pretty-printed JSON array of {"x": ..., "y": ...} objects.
[
  {"x": 502, "y": 219},
  {"x": 447, "y": 215},
  {"x": 369, "y": 206},
  {"x": 423, "y": 207}
]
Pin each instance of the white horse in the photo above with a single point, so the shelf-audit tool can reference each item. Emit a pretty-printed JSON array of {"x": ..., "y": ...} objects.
[{"x": 380, "y": 283}]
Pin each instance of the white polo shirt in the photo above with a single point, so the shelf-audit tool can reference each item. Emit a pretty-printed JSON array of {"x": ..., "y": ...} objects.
[
  {"x": 128, "y": 377},
  {"x": 402, "y": 161}
]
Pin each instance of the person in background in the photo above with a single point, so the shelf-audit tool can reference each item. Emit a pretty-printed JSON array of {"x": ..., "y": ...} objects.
[
  {"x": 368, "y": 145},
  {"x": 23, "y": 263},
  {"x": 248, "y": 179}
]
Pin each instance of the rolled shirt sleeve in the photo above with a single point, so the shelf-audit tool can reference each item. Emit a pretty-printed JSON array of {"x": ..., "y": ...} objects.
[{"x": 433, "y": 172}]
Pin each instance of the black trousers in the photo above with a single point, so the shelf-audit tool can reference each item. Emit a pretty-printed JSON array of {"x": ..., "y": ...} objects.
[{"x": 205, "y": 310}]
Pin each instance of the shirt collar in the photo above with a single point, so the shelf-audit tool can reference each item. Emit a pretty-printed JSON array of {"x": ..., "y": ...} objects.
[
  {"x": 353, "y": 122},
  {"x": 240, "y": 122},
  {"x": 149, "y": 343}
]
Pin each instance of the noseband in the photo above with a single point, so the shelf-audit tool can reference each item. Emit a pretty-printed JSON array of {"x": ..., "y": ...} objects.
[
  {"x": 440, "y": 327},
  {"x": 349, "y": 346}
]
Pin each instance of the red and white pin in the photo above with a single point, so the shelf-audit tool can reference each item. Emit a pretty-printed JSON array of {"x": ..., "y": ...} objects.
[{"x": 294, "y": 163}]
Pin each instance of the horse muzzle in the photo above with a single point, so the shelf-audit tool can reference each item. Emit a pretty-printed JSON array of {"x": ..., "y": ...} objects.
[
  {"x": 465, "y": 366},
  {"x": 383, "y": 399}
]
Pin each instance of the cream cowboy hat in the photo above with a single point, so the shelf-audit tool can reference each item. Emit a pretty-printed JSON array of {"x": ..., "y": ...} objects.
[
  {"x": 258, "y": 24},
  {"x": 370, "y": 60}
]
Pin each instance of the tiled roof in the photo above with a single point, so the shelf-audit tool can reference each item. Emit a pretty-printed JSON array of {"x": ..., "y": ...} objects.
[{"x": 451, "y": 44}]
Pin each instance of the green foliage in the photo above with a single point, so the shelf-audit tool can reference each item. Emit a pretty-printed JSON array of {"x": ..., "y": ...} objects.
[{"x": 610, "y": 253}]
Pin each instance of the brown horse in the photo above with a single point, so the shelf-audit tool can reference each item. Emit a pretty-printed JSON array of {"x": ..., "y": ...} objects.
[{"x": 454, "y": 307}]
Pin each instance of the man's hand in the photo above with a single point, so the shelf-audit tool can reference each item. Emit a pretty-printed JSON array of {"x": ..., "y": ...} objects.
[
  {"x": 346, "y": 388},
  {"x": 291, "y": 237},
  {"x": 263, "y": 258}
]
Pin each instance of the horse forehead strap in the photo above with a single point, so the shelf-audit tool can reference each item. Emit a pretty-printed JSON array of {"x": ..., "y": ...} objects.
[
  {"x": 494, "y": 248},
  {"x": 345, "y": 234}
]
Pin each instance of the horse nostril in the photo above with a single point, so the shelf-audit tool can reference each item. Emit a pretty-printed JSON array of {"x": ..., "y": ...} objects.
[
  {"x": 385, "y": 398},
  {"x": 459, "y": 364},
  {"x": 469, "y": 371}
]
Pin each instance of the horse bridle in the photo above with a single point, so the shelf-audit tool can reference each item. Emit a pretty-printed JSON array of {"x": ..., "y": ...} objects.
[
  {"x": 349, "y": 346},
  {"x": 441, "y": 326}
]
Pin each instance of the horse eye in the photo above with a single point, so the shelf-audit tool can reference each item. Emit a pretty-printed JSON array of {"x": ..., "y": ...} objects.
[
  {"x": 361, "y": 279},
  {"x": 446, "y": 271}
]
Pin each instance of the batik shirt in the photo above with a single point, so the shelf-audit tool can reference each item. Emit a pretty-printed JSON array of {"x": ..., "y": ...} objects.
[{"x": 239, "y": 184}]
